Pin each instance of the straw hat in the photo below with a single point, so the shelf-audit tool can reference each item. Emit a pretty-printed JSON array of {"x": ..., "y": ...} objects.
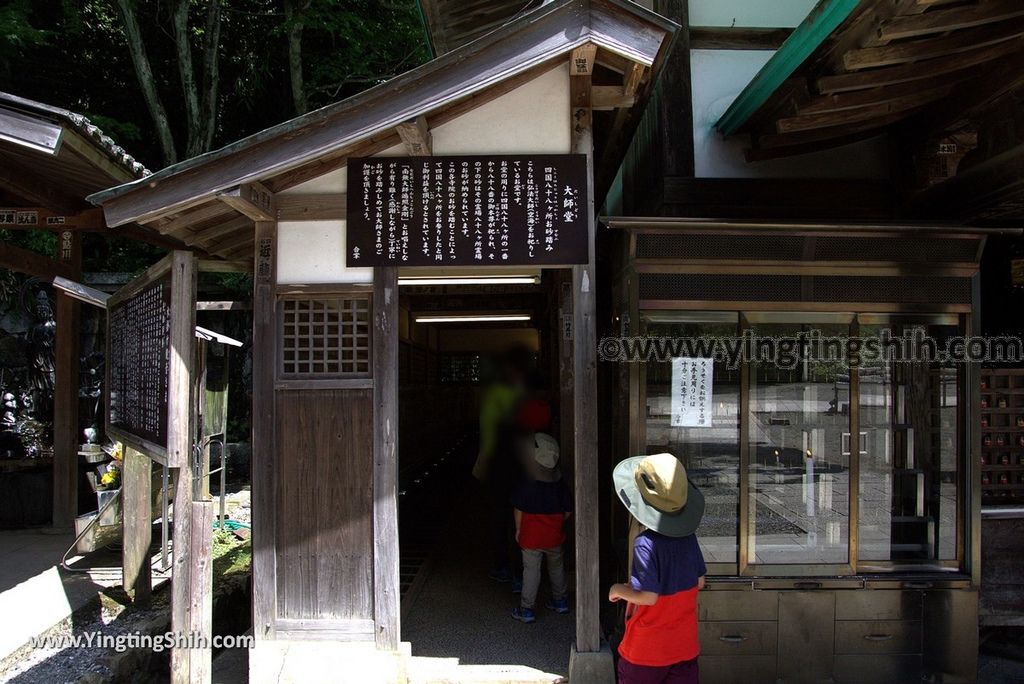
[{"x": 656, "y": 492}]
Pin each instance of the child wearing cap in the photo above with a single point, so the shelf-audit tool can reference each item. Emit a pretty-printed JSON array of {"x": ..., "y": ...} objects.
[
  {"x": 666, "y": 571},
  {"x": 541, "y": 504}
]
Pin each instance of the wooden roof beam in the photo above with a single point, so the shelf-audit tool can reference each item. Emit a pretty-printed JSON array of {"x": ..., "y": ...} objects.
[
  {"x": 207, "y": 236},
  {"x": 312, "y": 207},
  {"x": 252, "y": 200},
  {"x": 416, "y": 136},
  {"x": 836, "y": 102},
  {"x": 908, "y": 104},
  {"x": 610, "y": 97},
  {"x": 954, "y": 19},
  {"x": 182, "y": 223},
  {"x": 931, "y": 48},
  {"x": 24, "y": 183},
  {"x": 581, "y": 63},
  {"x": 905, "y": 73},
  {"x": 42, "y": 218},
  {"x": 33, "y": 264}
]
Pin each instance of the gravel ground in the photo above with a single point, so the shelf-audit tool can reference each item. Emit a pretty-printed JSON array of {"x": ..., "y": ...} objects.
[{"x": 88, "y": 664}]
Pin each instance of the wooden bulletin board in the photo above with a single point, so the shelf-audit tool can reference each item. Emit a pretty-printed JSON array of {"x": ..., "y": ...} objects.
[{"x": 141, "y": 323}]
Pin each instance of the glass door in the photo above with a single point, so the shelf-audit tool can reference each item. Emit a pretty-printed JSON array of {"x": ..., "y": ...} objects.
[
  {"x": 798, "y": 453},
  {"x": 710, "y": 448}
]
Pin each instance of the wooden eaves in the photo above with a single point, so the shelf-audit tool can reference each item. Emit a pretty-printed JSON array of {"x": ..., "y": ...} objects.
[
  {"x": 211, "y": 202},
  {"x": 856, "y": 68}
]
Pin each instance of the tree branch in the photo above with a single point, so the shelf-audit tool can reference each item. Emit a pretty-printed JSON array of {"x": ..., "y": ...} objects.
[{"x": 144, "y": 74}]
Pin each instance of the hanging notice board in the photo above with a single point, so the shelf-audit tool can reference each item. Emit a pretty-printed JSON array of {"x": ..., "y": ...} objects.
[
  {"x": 467, "y": 211},
  {"x": 140, "y": 391}
]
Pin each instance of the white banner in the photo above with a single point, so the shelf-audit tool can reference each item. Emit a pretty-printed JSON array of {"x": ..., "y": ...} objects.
[{"x": 691, "y": 392}]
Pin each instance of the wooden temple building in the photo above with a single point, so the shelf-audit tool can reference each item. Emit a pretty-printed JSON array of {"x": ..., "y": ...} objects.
[{"x": 666, "y": 168}]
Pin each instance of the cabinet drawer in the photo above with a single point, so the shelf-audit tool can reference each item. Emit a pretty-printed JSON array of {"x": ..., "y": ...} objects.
[
  {"x": 738, "y": 638},
  {"x": 721, "y": 669},
  {"x": 889, "y": 669},
  {"x": 878, "y": 636},
  {"x": 738, "y": 605},
  {"x": 878, "y": 604}
]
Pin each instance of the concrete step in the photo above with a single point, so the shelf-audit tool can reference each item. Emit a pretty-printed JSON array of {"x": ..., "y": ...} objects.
[{"x": 422, "y": 670}]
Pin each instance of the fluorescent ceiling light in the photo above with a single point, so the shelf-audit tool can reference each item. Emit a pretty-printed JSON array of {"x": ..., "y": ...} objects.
[
  {"x": 470, "y": 280},
  {"x": 473, "y": 318}
]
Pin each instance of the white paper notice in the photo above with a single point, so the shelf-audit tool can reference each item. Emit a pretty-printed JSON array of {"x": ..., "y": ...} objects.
[{"x": 691, "y": 392}]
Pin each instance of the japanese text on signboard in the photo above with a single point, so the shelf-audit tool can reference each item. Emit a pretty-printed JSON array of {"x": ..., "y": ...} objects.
[
  {"x": 464, "y": 211},
  {"x": 691, "y": 392},
  {"x": 139, "y": 359}
]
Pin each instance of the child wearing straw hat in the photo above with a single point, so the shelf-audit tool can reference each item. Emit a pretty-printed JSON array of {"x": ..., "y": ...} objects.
[{"x": 667, "y": 570}]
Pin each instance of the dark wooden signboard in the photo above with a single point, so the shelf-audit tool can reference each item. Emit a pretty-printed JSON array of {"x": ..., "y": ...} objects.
[
  {"x": 467, "y": 211},
  {"x": 139, "y": 349}
]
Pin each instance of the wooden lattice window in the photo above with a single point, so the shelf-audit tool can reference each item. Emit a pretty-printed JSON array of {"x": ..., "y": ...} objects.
[{"x": 325, "y": 337}]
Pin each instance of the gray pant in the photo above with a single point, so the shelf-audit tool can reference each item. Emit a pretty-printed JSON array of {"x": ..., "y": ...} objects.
[{"x": 532, "y": 559}]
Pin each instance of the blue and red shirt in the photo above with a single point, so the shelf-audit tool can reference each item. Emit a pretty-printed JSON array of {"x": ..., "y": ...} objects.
[
  {"x": 543, "y": 505},
  {"x": 664, "y": 633}
]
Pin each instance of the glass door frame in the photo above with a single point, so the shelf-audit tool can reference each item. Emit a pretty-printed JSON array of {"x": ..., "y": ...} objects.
[{"x": 965, "y": 447}]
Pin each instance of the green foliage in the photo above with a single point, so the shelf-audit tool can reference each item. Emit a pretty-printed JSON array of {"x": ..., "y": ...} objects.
[
  {"x": 17, "y": 33},
  {"x": 74, "y": 54},
  {"x": 357, "y": 44}
]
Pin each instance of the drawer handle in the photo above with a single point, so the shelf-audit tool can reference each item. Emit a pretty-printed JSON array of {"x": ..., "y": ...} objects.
[
  {"x": 878, "y": 637},
  {"x": 917, "y": 585},
  {"x": 807, "y": 585},
  {"x": 733, "y": 638}
]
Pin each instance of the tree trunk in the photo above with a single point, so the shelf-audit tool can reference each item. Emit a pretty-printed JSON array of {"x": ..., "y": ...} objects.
[
  {"x": 293, "y": 12},
  {"x": 211, "y": 73},
  {"x": 189, "y": 92},
  {"x": 144, "y": 73}
]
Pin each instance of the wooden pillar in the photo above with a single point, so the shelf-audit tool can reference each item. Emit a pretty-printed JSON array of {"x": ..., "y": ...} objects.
[
  {"x": 264, "y": 363},
  {"x": 65, "y": 391},
  {"x": 385, "y": 457},
  {"x": 137, "y": 513},
  {"x": 189, "y": 571},
  {"x": 588, "y": 590},
  {"x": 675, "y": 108}
]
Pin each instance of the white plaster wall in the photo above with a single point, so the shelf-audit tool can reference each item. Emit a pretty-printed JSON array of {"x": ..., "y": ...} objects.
[
  {"x": 752, "y": 13},
  {"x": 311, "y": 252},
  {"x": 532, "y": 119},
  {"x": 718, "y": 77}
]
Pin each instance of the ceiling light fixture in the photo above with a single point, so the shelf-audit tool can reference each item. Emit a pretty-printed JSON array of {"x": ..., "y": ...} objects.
[
  {"x": 473, "y": 318},
  {"x": 470, "y": 280}
]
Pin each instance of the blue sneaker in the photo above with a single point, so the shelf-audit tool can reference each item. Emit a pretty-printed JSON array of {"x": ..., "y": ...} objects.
[
  {"x": 560, "y": 606},
  {"x": 517, "y": 586},
  {"x": 524, "y": 615}
]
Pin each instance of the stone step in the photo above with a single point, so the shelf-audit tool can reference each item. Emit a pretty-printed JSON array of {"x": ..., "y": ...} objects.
[{"x": 422, "y": 670}]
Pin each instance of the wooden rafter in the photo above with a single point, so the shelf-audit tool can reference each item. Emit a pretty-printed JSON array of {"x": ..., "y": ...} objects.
[
  {"x": 930, "y": 48},
  {"x": 905, "y": 73},
  {"x": 911, "y": 26},
  {"x": 312, "y": 207},
  {"x": 416, "y": 136},
  {"x": 253, "y": 200}
]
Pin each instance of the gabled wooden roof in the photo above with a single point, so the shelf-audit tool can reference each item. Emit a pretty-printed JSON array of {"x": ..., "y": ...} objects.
[
  {"x": 52, "y": 157},
  {"x": 453, "y": 23},
  {"x": 882, "y": 63},
  {"x": 194, "y": 200}
]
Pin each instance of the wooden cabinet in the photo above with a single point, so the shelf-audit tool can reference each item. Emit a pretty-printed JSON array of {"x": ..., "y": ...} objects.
[
  {"x": 1002, "y": 436},
  {"x": 793, "y": 636}
]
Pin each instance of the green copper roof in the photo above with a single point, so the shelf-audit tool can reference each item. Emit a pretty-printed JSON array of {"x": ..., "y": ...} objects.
[{"x": 826, "y": 16}]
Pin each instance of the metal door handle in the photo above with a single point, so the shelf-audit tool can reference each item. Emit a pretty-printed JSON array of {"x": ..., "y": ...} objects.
[
  {"x": 878, "y": 637},
  {"x": 733, "y": 639}
]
